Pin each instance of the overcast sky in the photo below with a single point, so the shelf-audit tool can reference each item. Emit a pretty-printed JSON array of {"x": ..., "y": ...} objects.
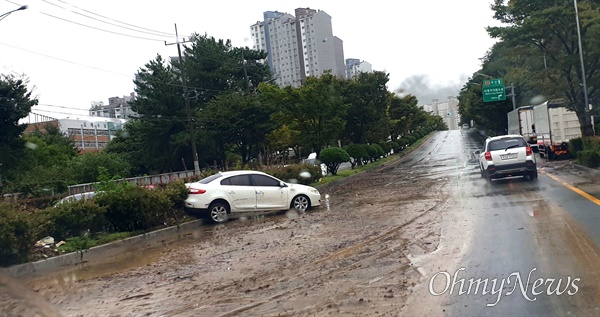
[{"x": 426, "y": 46}]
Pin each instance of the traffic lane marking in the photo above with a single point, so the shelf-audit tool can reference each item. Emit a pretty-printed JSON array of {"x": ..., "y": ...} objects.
[{"x": 575, "y": 189}]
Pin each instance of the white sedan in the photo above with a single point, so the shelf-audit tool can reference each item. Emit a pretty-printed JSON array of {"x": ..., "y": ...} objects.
[{"x": 243, "y": 191}]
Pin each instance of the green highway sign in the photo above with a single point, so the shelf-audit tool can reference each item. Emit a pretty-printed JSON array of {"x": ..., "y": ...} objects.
[
  {"x": 493, "y": 82},
  {"x": 493, "y": 90}
]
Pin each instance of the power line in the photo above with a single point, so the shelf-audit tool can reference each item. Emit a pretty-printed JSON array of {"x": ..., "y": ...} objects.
[
  {"x": 108, "y": 71},
  {"x": 93, "y": 27},
  {"x": 164, "y": 33},
  {"x": 64, "y": 60},
  {"x": 99, "y": 29},
  {"x": 155, "y": 33}
]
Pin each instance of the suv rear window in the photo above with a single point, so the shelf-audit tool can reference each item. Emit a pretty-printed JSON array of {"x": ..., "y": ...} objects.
[{"x": 505, "y": 143}]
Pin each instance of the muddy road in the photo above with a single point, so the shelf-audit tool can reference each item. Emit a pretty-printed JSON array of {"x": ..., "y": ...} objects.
[{"x": 373, "y": 252}]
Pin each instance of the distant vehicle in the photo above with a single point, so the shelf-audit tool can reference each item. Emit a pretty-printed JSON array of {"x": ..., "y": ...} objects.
[
  {"x": 244, "y": 191},
  {"x": 555, "y": 127},
  {"x": 76, "y": 197},
  {"x": 466, "y": 126},
  {"x": 521, "y": 122},
  {"x": 507, "y": 155}
]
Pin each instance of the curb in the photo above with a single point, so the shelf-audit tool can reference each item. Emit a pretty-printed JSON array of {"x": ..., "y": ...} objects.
[
  {"x": 104, "y": 251},
  {"x": 591, "y": 172}
]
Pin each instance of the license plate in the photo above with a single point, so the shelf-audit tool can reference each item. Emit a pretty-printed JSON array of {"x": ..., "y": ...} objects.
[{"x": 509, "y": 156}]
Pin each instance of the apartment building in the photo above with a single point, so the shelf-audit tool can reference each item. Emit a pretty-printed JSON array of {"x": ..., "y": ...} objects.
[
  {"x": 299, "y": 46},
  {"x": 447, "y": 109},
  {"x": 118, "y": 107},
  {"x": 354, "y": 66},
  {"x": 90, "y": 134}
]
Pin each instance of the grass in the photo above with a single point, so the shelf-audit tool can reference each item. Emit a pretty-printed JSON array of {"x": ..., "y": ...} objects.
[
  {"x": 82, "y": 243},
  {"x": 363, "y": 168}
]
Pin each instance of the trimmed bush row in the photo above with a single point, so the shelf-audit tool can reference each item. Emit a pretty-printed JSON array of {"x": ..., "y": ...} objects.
[
  {"x": 586, "y": 150},
  {"x": 124, "y": 209}
]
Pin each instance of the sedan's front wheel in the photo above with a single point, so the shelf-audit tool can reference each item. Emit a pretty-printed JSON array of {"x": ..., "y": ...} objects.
[
  {"x": 219, "y": 212},
  {"x": 300, "y": 203}
]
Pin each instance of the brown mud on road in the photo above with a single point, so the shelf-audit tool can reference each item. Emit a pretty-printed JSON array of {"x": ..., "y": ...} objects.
[{"x": 350, "y": 260}]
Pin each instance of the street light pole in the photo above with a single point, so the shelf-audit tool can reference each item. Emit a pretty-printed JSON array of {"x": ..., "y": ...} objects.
[
  {"x": 9, "y": 12},
  {"x": 583, "y": 81}
]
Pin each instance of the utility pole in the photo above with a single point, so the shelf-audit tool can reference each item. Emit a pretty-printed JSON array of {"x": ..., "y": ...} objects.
[
  {"x": 586, "y": 108},
  {"x": 187, "y": 102},
  {"x": 512, "y": 94}
]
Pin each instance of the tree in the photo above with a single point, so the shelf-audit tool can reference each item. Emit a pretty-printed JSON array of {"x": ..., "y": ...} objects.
[
  {"x": 86, "y": 168},
  {"x": 356, "y": 152},
  {"x": 332, "y": 158},
  {"x": 15, "y": 103},
  {"x": 316, "y": 110},
  {"x": 367, "y": 97},
  {"x": 402, "y": 113},
  {"x": 240, "y": 120},
  {"x": 547, "y": 29}
]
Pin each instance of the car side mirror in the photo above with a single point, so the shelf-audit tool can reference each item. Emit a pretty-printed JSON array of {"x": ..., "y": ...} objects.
[{"x": 282, "y": 184}]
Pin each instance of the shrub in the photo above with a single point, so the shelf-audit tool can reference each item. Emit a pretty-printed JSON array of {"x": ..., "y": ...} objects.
[
  {"x": 411, "y": 139},
  {"x": 394, "y": 146},
  {"x": 16, "y": 235},
  {"x": 356, "y": 153},
  {"x": 372, "y": 151},
  {"x": 134, "y": 208},
  {"x": 292, "y": 173},
  {"x": 332, "y": 157},
  {"x": 402, "y": 143},
  {"x": 591, "y": 143},
  {"x": 575, "y": 145},
  {"x": 589, "y": 158},
  {"x": 72, "y": 219},
  {"x": 386, "y": 147},
  {"x": 176, "y": 193},
  {"x": 380, "y": 151}
]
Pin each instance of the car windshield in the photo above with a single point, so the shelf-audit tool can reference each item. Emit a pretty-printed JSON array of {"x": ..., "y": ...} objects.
[{"x": 507, "y": 143}]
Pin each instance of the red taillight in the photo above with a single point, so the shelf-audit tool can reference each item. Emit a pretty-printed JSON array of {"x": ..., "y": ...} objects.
[
  {"x": 528, "y": 151},
  {"x": 488, "y": 156},
  {"x": 194, "y": 191}
]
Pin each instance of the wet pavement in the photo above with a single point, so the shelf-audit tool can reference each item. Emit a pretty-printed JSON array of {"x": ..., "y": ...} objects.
[{"x": 381, "y": 249}]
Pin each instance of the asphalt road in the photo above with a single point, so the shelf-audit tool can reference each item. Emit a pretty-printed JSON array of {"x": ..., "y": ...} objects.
[
  {"x": 505, "y": 230},
  {"x": 421, "y": 236}
]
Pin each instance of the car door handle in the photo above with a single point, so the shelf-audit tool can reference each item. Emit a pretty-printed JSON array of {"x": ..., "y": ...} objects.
[{"x": 231, "y": 192}]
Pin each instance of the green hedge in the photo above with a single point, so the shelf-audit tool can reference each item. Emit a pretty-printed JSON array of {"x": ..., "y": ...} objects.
[
  {"x": 293, "y": 173},
  {"x": 575, "y": 145},
  {"x": 589, "y": 158},
  {"x": 591, "y": 143},
  {"x": 124, "y": 209},
  {"x": 16, "y": 234}
]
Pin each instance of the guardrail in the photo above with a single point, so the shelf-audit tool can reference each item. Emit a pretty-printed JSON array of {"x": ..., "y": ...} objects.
[{"x": 142, "y": 180}]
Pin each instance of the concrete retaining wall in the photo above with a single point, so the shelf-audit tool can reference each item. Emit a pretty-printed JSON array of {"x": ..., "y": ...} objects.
[{"x": 105, "y": 251}]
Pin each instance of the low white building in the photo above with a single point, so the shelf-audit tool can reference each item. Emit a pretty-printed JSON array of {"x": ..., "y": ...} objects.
[{"x": 88, "y": 133}]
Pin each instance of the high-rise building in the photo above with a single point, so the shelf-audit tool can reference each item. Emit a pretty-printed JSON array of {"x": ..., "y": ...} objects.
[
  {"x": 299, "y": 46},
  {"x": 447, "y": 109}
]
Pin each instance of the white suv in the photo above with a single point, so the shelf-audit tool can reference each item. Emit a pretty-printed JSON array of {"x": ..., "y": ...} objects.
[
  {"x": 243, "y": 191},
  {"x": 507, "y": 155}
]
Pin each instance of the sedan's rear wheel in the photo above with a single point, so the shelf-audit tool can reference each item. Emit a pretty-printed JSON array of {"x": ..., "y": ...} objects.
[
  {"x": 219, "y": 212},
  {"x": 300, "y": 203}
]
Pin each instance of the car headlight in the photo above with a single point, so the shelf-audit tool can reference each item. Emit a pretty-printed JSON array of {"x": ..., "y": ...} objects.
[{"x": 314, "y": 191}]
